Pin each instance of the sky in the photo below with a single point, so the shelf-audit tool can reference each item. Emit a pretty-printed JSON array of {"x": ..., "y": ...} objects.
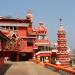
[{"x": 48, "y": 11}]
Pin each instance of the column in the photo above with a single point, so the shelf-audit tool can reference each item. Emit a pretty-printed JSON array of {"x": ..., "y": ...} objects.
[
  {"x": 44, "y": 59},
  {"x": 17, "y": 56}
]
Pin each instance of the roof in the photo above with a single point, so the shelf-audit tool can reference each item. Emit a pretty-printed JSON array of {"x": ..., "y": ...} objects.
[
  {"x": 43, "y": 53},
  {"x": 12, "y": 20}
]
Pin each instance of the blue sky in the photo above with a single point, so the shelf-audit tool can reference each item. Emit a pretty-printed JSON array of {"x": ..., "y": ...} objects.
[{"x": 48, "y": 11}]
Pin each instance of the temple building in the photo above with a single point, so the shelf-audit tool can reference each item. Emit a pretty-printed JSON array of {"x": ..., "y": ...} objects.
[
  {"x": 21, "y": 45},
  {"x": 22, "y": 41},
  {"x": 26, "y": 41}
]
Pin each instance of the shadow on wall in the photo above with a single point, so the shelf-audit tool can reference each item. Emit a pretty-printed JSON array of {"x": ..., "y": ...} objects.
[{"x": 4, "y": 68}]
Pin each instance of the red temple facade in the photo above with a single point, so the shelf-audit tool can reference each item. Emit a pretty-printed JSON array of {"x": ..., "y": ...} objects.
[{"x": 25, "y": 41}]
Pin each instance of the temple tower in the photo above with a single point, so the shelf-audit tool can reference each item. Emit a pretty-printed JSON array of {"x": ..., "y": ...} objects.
[
  {"x": 42, "y": 43},
  {"x": 62, "y": 49}
]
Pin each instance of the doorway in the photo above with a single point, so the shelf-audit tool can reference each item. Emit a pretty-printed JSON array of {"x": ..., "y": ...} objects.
[
  {"x": 25, "y": 56},
  {"x": 13, "y": 56}
]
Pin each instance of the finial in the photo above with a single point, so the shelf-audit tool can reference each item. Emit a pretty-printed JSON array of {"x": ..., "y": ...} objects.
[
  {"x": 29, "y": 11},
  {"x": 61, "y": 25},
  {"x": 61, "y": 22},
  {"x": 60, "y": 19},
  {"x": 29, "y": 14}
]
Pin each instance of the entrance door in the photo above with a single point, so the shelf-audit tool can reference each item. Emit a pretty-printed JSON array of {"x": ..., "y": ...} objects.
[
  {"x": 13, "y": 56},
  {"x": 25, "y": 56}
]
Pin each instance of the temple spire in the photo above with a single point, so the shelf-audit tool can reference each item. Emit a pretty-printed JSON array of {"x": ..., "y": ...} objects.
[
  {"x": 62, "y": 53},
  {"x": 29, "y": 14},
  {"x": 61, "y": 28}
]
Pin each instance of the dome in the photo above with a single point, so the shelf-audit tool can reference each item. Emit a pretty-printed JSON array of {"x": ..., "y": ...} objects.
[{"x": 41, "y": 27}]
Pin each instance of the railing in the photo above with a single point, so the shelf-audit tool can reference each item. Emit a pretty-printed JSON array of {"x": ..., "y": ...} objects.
[{"x": 60, "y": 69}]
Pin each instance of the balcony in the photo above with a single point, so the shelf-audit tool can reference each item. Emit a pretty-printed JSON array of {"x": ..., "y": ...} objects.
[{"x": 42, "y": 42}]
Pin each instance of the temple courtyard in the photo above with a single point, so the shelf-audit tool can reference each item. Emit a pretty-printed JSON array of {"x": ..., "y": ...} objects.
[{"x": 25, "y": 68}]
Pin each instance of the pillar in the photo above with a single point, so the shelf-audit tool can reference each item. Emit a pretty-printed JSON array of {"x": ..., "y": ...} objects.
[
  {"x": 17, "y": 56},
  {"x": 42, "y": 59}
]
